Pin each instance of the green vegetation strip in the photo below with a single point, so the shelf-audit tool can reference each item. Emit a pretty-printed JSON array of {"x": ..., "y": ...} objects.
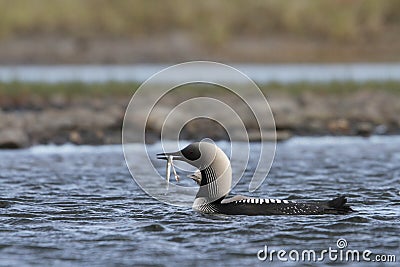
[
  {"x": 126, "y": 89},
  {"x": 212, "y": 21}
]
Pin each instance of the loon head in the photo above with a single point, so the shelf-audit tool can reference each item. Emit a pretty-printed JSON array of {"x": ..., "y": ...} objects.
[{"x": 214, "y": 166}]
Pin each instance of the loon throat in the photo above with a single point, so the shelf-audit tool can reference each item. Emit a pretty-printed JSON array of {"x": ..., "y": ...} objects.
[{"x": 215, "y": 179}]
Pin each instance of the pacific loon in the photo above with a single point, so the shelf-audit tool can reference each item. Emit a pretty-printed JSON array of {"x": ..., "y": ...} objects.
[{"x": 215, "y": 177}]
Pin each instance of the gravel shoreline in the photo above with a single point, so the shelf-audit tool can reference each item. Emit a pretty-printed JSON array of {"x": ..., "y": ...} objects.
[{"x": 98, "y": 120}]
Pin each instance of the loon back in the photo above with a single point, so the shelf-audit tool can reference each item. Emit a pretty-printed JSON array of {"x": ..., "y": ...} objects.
[
  {"x": 215, "y": 178},
  {"x": 239, "y": 205}
]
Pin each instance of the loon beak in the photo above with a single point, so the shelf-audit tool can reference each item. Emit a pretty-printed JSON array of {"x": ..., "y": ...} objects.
[{"x": 175, "y": 155}]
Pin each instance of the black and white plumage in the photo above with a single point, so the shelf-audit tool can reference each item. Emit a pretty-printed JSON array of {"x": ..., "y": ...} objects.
[{"x": 215, "y": 177}]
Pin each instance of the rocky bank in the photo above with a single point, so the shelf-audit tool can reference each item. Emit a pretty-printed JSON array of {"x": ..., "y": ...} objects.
[{"x": 98, "y": 120}]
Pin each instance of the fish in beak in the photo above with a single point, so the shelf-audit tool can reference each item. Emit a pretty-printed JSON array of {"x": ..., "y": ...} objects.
[
  {"x": 195, "y": 177},
  {"x": 169, "y": 157}
]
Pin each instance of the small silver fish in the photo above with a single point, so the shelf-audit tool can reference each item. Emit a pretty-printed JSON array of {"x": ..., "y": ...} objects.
[
  {"x": 173, "y": 169},
  {"x": 196, "y": 177},
  {"x": 168, "y": 170},
  {"x": 170, "y": 164}
]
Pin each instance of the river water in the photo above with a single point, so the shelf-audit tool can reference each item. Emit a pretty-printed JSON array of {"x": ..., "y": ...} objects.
[
  {"x": 260, "y": 73},
  {"x": 79, "y": 206}
]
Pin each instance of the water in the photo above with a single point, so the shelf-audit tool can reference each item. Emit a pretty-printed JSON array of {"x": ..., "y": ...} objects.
[
  {"x": 78, "y": 206},
  {"x": 261, "y": 73}
]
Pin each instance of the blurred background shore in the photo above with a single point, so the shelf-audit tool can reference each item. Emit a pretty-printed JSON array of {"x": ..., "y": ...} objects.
[
  {"x": 126, "y": 32},
  {"x": 121, "y": 33}
]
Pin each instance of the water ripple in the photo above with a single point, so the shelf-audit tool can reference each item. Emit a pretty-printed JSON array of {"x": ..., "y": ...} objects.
[{"x": 79, "y": 206}]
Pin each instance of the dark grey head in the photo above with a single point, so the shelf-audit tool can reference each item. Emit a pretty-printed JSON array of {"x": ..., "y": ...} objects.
[{"x": 192, "y": 152}]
